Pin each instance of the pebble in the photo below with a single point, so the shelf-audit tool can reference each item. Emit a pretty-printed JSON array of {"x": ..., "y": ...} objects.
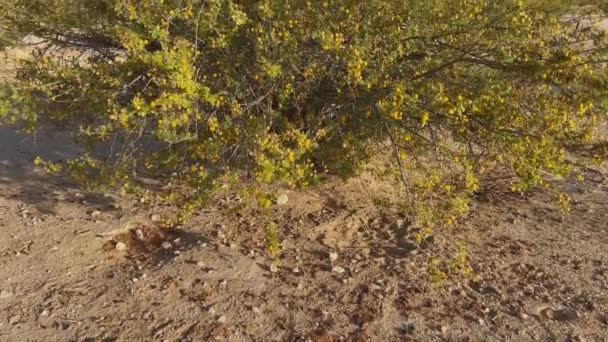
[
  {"x": 5, "y": 294},
  {"x": 155, "y": 218},
  {"x": 564, "y": 315},
  {"x": 15, "y": 319},
  {"x": 166, "y": 245},
  {"x": 200, "y": 264},
  {"x": 211, "y": 310},
  {"x": 120, "y": 246},
  {"x": 95, "y": 213},
  {"x": 140, "y": 234},
  {"x": 338, "y": 269},
  {"x": 282, "y": 199},
  {"x": 274, "y": 268},
  {"x": 54, "y": 248},
  {"x": 221, "y": 319},
  {"x": 256, "y": 310},
  {"x": 296, "y": 270},
  {"x": 333, "y": 256}
]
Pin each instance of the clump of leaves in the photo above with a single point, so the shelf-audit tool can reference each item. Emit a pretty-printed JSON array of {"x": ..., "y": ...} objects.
[
  {"x": 273, "y": 241},
  {"x": 209, "y": 94}
]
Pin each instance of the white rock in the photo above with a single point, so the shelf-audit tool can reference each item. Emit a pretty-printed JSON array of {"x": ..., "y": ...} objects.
[
  {"x": 95, "y": 213},
  {"x": 140, "y": 234},
  {"x": 333, "y": 256},
  {"x": 15, "y": 319},
  {"x": 221, "y": 319},
  {"x": 282, "y": 199},
  {"x": 296, "y": 270},
  {"x": 211, "y": 310},
  {"x": 155, "y": 217},
  {"x": 256, "y": 310},
  {"x": 274, "y": 268},
  {"x": 338, "y": 269},
  {"x": 120, "y": 246},
  {"x": 166, "y": 245},
  {"x": 5, "y": 294},
  {"x": 200, "y": 264}
]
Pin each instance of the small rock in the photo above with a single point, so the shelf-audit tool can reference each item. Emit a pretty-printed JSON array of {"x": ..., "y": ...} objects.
[
  {"x": 211, "y": 310},
  {"x": 221, "y": 319},
  {"x": 15, "y": 319},
  {"x": 338, "y": 269},
  {"x": 223, "y": 284},
  {"x": 44, "y": 313},
  {"x": 274, "y": 268},
  {"x": 120, "y": 246},
  {"x": 155, "y": 218},
  {"x": 233, "y": 245},
  {"x": 5, "y": 294},
  {"x": 166, "y": 245},
  {"x": 565, "y": 315},
  {"x": 200, "y": 264},
  {"x": 140, "y": 234},
  {"x": 296, "y": 270},
  {"x": 282, "y": 199},
  {"x": 375, "y": 287},
  {"x": 333, "y": 256},
  {"x": 54, "y": 248},
  {"x": 256, "y": 310},
  {"x": 95, "y": 213}
]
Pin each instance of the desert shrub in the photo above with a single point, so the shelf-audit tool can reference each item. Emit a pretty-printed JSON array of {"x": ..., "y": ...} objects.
[{"x": 207, "y": 93}]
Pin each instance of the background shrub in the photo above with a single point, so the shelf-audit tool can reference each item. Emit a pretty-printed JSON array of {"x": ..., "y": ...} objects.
[{"x": 206, "y": 93}]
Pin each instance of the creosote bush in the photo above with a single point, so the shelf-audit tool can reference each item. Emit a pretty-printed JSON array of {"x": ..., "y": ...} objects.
[{"x": 203, "y": 94}]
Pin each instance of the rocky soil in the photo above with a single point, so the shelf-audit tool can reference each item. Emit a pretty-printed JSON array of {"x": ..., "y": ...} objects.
[{"x": 77, "y": 266}]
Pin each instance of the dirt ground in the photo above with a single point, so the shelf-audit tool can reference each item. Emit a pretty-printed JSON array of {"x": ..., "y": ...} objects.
[{"x": 75, "y": 268}]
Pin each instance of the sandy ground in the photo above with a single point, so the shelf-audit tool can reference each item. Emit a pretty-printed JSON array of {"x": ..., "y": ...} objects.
[{"x": 537, "y": 276}]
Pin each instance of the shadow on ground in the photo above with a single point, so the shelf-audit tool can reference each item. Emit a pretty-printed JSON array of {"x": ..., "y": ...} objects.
[{"x": 31, "y": 186}]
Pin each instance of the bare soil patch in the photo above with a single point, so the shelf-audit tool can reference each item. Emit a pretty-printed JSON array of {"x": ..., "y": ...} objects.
[{"x": 65, "y": 275}]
